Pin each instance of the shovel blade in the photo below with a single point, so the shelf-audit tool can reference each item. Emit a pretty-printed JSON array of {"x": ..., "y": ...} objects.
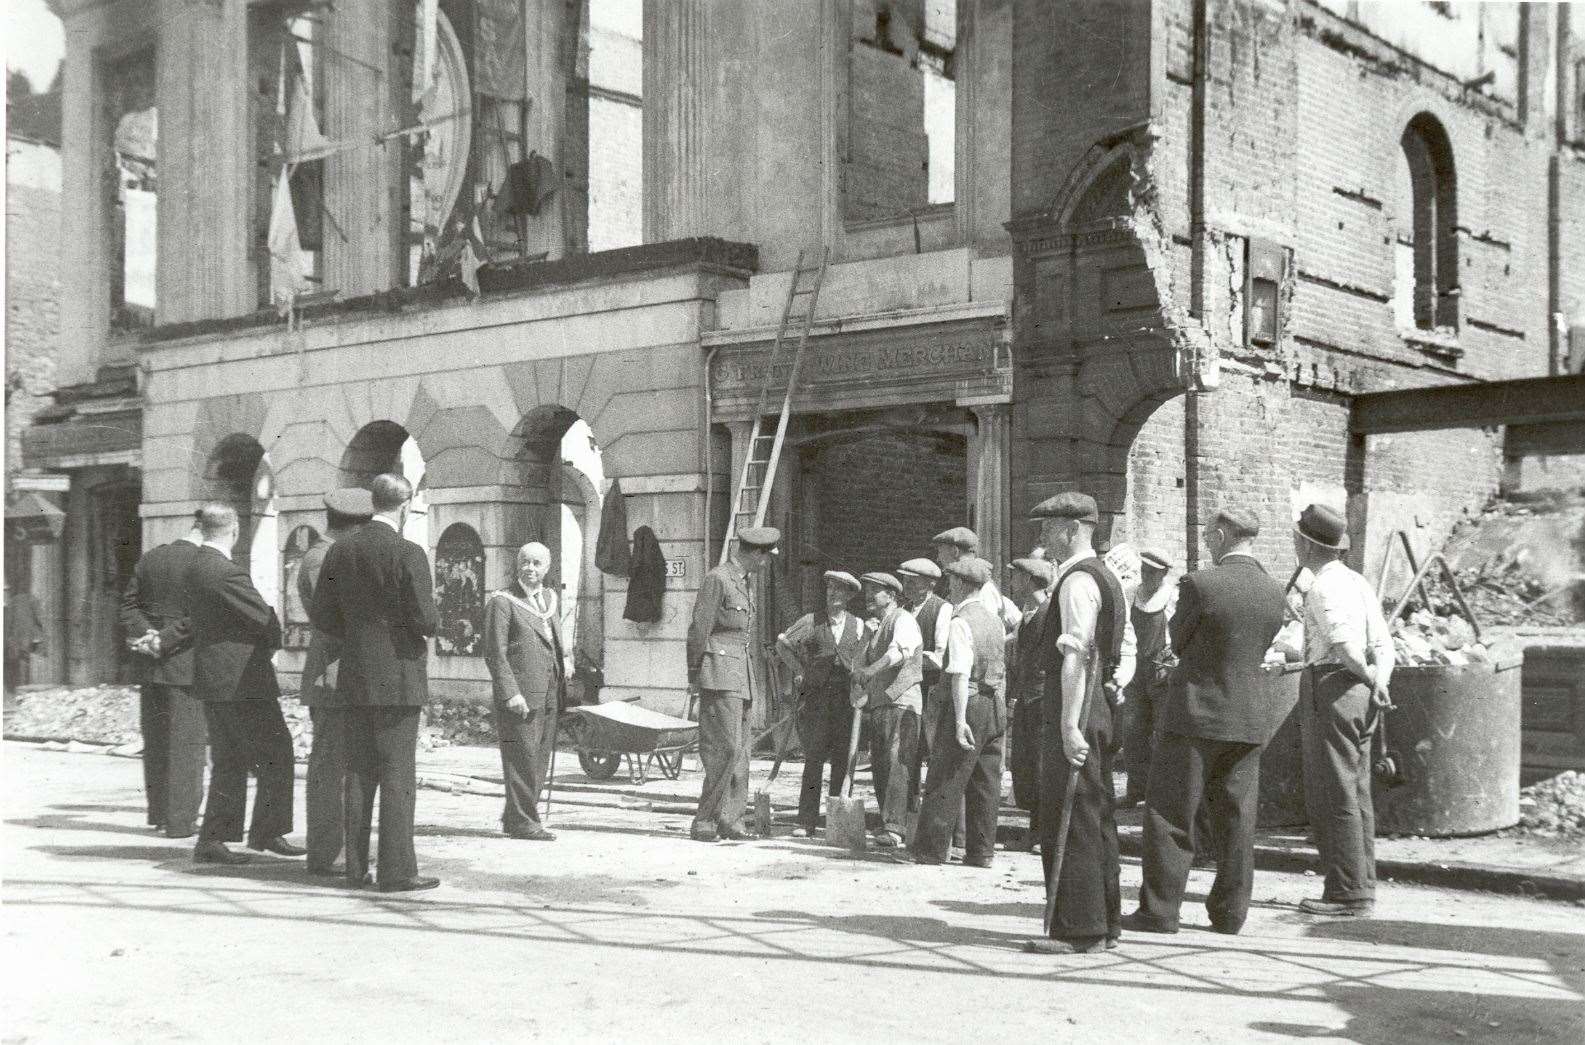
[
  {"x": 762, "y": 817},
  {"x": 845, "y": 823}
]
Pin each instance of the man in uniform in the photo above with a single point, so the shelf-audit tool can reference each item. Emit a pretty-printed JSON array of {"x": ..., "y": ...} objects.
[
  {"x": 821, "y": 649},
  {"x": 1348, "y": 662},
  {"x": 1030, "y": 582},
  {"x": 1149, "y": 611},
  {"x": 933, "y": 614},
  {"x": 327, "y": 758},
  {"x": 172, "y": 721},
  {"x": 1213, "y": 722},
  {"x": 377, "y": 596},
  {"x": 889, "y": 691},
  {"x": 1083, "y": 640},
  {"x": 966, "y": 769},
  {"x": 528, "y": 671},
  {"x": 960, "y": 541},
  {"x": 720, "y": 667}
]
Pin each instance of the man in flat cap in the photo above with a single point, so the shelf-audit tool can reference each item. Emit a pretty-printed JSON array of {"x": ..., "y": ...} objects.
[
  {"x": 821, "y": 649},
  {"x": 1029, "y": 581},
  {"x": 1083, "y": 640},
  {"x": 1348, "y": 662},
  {"x": 1213, "y": 723},
  {"x": 889, "y": 679},
  {"x": 933, "y": 615},
  {"x": 345, "y": 510},
  {"x": 720, "y": 667},
  {"x": 1149, "y": 611},
  {"x": 966, "y": 768},
  {"x": 960, "y": 541}
]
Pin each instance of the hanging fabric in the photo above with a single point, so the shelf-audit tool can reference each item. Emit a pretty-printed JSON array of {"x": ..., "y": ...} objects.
[
  {"x": 286, "y": 274},
  {"x": 610, "y": 548},
  {"x": 500, "y": 49},
  {"x": 647, "y": 584}
]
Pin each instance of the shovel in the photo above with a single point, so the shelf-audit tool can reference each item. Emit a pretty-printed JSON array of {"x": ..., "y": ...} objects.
[
  {"x": 762, "y": 806},
  {"x": 845, "y": 814}
]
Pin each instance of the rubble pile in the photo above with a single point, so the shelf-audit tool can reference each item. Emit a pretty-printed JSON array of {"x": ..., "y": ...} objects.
[
  {"x": 462, "y": 722},
  {"x": 1522, "y": 562},
  {"x": 1555, "y": 807},
  {"x": 1502, "y": 592},
  {"x": 1424, "y": 637},
  {"x": 92, "y": 714}
]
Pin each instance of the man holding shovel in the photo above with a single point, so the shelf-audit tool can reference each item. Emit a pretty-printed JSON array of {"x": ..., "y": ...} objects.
[
  {"x": 889, "y": 691},
  {"x": 1083, "y": 641}
]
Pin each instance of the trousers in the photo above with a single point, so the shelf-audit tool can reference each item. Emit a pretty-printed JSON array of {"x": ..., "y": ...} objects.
[
  {"x": 248, "y": 736},
  {"x": 894, "y": 741},
  {"x": 526, "y": 745},
  {"x": 327, "y": 778},
  {"x": 962, "y": 784},
  {"x": 1089, "y": 891},
  {"x": 934, "y": 745},
  {"x": 382, "y": 741},
  {"x": 174, "y": 741},
  {"x": 1139, "y": 737},
  {"x": 1189, "y": 775},
  {"x": 1334, "y": 729},
  {"x": 824, "y": 731},
  {"x": 723, "y": 750}
]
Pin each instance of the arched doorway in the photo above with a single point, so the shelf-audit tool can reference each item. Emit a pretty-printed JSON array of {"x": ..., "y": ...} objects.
[
  {"x": 238, "y": 473},
  {"x": 385, "y": 446}
]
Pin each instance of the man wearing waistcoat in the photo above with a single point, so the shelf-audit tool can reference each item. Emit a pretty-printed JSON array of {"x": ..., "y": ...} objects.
[
  {"x": 820, "y": 649},
  {"x": 1149, "y": 612},
  {"x": 720, "y": 668},
  {"x": 933, "y": 614},
  {"x": 1082, "y": 640},
  {"x": 528, "y": 673},
  {"x": 966, "y": 770},
  {"x": 961, "y": 542},
  {"x": 889, "y": 691},
  {"x": 1030, "y": 581}
]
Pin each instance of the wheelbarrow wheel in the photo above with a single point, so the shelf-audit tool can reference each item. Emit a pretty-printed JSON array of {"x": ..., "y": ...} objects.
[{"x": 599, "y": 765}]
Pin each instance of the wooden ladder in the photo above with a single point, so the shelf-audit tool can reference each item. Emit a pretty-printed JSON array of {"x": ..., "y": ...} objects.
[{"x": 752, "y": 496}]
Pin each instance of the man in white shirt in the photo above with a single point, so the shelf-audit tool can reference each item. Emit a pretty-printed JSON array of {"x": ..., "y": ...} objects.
[
  {"x": 888, "y": 688},
  {"x": 960, "y": 542},
  {"x": 1348, "y": 665},
  {"x": 934, "y": 616}
]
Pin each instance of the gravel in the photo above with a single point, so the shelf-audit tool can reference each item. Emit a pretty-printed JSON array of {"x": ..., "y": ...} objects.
[{"x": 1554, "y": 807}]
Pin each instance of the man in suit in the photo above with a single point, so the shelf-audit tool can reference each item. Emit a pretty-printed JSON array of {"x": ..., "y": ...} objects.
[
  {"x": 720, "y": 668},
  {"x": 327, "y": 758},
  {"x": 1215, "y": 720},
  {"x": 376, "y": 595},
  {"x": 528, "y": 671},
  {"x": 171, "y": 719},
  {"x": 234, "y": 633},
  {"x": 820, "y": 649}
]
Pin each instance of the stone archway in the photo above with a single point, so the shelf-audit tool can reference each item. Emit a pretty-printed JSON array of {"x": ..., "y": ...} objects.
[{"x": 239, "y": 473}]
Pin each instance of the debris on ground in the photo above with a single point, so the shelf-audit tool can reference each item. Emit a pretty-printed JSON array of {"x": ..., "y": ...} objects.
[
  {"x": 1521, "y": 561},
  {"x": 1555, "y": 807},
  {"x": 1424, "y": 637}
]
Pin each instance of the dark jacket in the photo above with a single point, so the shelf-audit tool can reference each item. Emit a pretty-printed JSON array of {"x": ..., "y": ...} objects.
[
  {"x": 376, "y": 595},
  {"x": 1226, "y": 618},
  {"x": 646, "y": 582},
  {"x": 1026, "y": 681},
  {"x": 234, "y": 631},
  {"x": 611, "y": 552},
  {"x": 319, "y": 663},
  {"x": 827, "y": 662},
  {"x": 718, "y": 635},
  {"x": 523, "y": 650},
  {"x": 155, "y": 599}
]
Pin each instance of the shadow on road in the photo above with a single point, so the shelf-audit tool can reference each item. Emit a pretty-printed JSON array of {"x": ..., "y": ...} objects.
[{"x": 77, "y": 822}]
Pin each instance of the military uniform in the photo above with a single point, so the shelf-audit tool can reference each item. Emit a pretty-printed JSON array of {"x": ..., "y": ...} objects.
[{"x": 720, "y": 666}]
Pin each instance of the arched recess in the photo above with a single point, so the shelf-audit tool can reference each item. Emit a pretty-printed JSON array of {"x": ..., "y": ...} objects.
[
  {"x": 238, "y": 473},
  {"x": 1426, "y": 244},
  {"x": 385, "y": 446}
]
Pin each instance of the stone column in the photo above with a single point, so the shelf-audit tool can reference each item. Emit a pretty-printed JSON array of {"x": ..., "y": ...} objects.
[
  {"x": 676, "y": 86},
  {"x": 989, "y": 452}
]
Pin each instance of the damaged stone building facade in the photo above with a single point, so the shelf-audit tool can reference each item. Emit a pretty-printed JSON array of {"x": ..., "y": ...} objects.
[{"x": 532, "y": 253}]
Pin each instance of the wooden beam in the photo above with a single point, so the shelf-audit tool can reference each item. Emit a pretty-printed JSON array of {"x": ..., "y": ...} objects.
[
  {"x": 1545, "y": 440},
  {"x": 1529, "y": 401}
]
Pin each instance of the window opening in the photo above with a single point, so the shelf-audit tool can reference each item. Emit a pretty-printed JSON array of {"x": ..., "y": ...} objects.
[
  {"x": 1431, "y": 253},
  {"x": 611, "y": 75},
  {"x": 134, "y": 189}
]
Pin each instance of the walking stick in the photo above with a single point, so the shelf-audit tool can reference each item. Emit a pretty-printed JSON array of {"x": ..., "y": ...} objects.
[{"x": 1091, "y": 683}]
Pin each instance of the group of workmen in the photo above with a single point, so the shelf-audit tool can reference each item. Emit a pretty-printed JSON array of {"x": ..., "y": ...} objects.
[{"x": 1063, "y": 669}]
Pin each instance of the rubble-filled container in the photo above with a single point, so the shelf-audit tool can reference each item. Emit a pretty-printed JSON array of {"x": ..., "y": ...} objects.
[
  {"x": 1282, "y": 763},
  {"x": 1455, "y": 734}
]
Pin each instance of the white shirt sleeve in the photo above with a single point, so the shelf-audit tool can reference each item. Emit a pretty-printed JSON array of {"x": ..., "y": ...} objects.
[
  {"x": 1079, "y": 600},
  {"x": 1128, "y": 655},
  {"x": 960, "y": 648},
  {"x": 943, "y": 625},
  {"x": 906, "y": 638}
]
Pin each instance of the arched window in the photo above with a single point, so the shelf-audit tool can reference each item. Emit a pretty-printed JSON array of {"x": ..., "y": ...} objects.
[{"x": 1434, "y": 219}]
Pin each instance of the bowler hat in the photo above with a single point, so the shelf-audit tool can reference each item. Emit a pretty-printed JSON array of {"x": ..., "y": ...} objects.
[
  {"x": 960, "y": 537},
  {"x": 847, "y": 580},
  {"x": 921, "y": 568},
  {"x": 1080, "y": 506},
  {"x": 759, "y": 538},
  {"x": 354, "y": 502},
  {"x": 883, "y": 580},
  {"x": 974, "y": 570},
  {"x": 1039, "y": 569},
  {"x": 1319, "y": 524}
]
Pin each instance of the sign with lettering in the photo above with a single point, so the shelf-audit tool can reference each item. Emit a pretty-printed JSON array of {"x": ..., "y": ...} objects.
[{"x": 676, "y": 567}]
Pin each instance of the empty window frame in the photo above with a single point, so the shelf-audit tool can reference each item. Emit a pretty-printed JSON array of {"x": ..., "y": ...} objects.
[
  {"x": 132, "y": 119},
  {"x": 611, "y": 77},
  {"x": 1432, "y": 231}
]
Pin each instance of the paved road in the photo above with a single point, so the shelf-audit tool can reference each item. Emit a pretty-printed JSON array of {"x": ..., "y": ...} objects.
[{"x": 624, "y": 930}]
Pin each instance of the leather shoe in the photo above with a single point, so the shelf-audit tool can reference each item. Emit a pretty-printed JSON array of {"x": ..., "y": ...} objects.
[
  {"x": 703, "y": 831},
  {"x": 1138, "y": 923},
  {"x": 213, "y": 852},
  {"x": 532, "y": 834},
  {"x": 408, "y": 885},
  {"x": 732, "y": 833},
  {"x": 976, "y": 861},
  {"x": 1045, "y": 945},
  {"x": 1225, "y": 928},
  {"x": 279, "y": 846},
  {"x": 1339, "y": 908}
]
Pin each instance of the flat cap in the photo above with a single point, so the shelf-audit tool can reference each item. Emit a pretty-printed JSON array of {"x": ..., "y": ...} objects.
[
  {"x": 958, "y": 536},
  {"x": 847, "y": 580},
  {"x": 1241, "y": 522},
  {"x": 1153, "y": 555},
  {"x": 1080, "y": 506},
  {"x": 883, "y": 580},
  {"x": 972, "y": 569},
  {"x": 353, "y": 501},
  {"x": 921, "y": 568},
  {"x": 1039, "y": 569},
  {"x": 759, "y": 537}
]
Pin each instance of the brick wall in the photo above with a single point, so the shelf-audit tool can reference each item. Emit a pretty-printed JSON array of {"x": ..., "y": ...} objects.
[
  {"x": 616, "y": 173},
  {"x": 32, "y": 288},
  {"x": 887, "y": 148}
]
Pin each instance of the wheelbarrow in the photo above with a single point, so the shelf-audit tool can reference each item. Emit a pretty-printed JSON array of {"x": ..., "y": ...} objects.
[{"x": 605, "y": 734}]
